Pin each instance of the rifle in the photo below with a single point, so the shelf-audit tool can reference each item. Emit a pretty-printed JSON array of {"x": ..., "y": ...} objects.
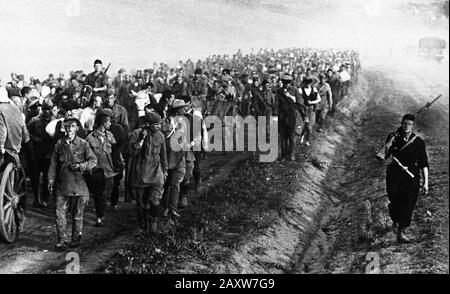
[
  {"x": 426, "y": 106},
  {"x": 403, "y": 167},
  {"x": 101, "y": 75},
  {"x": 381, "y": 155}
]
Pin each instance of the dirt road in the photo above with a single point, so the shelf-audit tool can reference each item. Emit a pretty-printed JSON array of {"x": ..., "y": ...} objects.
[
  {"x": 322, "y": 213},
  {"x": 34, "y": 251}
]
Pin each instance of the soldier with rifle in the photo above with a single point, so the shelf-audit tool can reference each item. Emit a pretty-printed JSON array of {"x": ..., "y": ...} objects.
[
  {"x": 409, "y": 157},
  {"x": 97, "y": 80},
  {"x": 403, "y": 174}
]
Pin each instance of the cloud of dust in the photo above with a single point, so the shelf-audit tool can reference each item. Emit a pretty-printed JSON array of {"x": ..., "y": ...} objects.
[{"x": 46, "y": 36}]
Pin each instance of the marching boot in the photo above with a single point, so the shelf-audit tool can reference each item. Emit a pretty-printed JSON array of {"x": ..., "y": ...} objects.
[
  {"x": 153, "y": 225},
  {"x": 140, "y": 219},
  {"x": 198, "y": 186},
  {"x": 144, "y": 224},
  {"x": 401, "y": 236}
]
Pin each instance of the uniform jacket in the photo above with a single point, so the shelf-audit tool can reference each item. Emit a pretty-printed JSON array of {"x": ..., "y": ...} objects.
[
  {"x": 13, "y": 131},
  {"x": 65, "y": 153},
  {"x": 42, "y": 142},
  {"x": 148, "y": 159},
  {"x": 121, "y": 116},
  {"x": 175, "y": 158},
  {"x": 199, "y": 88},
  {"x": 101, "y": 144},
  {"x": 288, "y": 107},
  {"x": 413, "y": 156}
]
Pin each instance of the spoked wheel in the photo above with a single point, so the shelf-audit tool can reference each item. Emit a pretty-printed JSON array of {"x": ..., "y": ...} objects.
[{"x": 12, "y": 196}]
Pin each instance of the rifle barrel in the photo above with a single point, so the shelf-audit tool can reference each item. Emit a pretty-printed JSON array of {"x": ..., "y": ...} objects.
[{"x": 428, "y": 104}]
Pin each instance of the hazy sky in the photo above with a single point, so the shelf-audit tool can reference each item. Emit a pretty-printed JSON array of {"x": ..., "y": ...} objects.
[{"x": 39, "y": 37}]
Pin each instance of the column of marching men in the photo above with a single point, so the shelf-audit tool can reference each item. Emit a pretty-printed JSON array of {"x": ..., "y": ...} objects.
[{"x": 89, "y": 133}]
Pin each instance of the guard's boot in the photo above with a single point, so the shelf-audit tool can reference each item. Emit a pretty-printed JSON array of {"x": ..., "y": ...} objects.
[{"x": 401, "y": 236}]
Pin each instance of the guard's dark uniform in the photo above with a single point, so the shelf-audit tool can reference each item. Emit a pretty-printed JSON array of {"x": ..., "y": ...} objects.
[
  {"x": 402, "y": 189},
  {"x": 97, "y": 80}
]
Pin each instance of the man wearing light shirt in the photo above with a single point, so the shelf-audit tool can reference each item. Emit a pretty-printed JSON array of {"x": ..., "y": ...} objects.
[
  {"x": 345, "y": 79},
  {"x": 311, "y": 98}
]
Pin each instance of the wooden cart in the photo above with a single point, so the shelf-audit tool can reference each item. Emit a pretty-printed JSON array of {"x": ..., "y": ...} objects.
[{"x": 12, "y": 198}]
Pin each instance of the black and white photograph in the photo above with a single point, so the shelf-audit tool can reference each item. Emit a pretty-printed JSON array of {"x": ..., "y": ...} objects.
[{"x": 199, "y": 140}]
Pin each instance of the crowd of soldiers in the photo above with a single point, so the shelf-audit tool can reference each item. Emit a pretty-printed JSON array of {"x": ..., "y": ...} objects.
[{"x": 88, "y": 132}]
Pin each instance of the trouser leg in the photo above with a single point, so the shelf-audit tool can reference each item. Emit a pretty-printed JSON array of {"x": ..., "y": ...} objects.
[
  {"x": 283, "y": 141},
  {"x": 115, "y": 190},
  {"x": 174, "y": 190},
  {"x": 62, "y": 205},
  {"x": 34, "y": 177},
  {"x": 311, "y": 124},
  {"x": 306, "y": 131},
  {"x": 99, "y": 198},
  {"x": 291, "y": 144},
  {"x": 166, "y": 193},
  {"x": 197, "y": 171},
  {"x": 184, "y": 186},
  {"x": 408, "y": 202},
  {"x": 78, "y": 205},
  {"x": 155, "y": 193},
  {"x": 109, "y": 186},
  {"x": 140, "y": 209},
  {"x": 394, "y": 187},
  {"x": 44, "y": 165}
]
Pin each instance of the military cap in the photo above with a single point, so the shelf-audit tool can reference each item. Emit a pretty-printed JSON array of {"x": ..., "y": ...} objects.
[
  {"x": 108, "y": 112},
  {"x": 34, "y": 102},
  {"x": 178, "y": 103},
  {"x": 152, "y": 117},
  {"x": 70, "y": 120},
  {"x": 111, "y": 92}
]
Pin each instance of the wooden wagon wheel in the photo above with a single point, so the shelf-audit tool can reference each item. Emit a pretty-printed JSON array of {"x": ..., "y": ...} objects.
[{"x": 12, "y": 196}]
